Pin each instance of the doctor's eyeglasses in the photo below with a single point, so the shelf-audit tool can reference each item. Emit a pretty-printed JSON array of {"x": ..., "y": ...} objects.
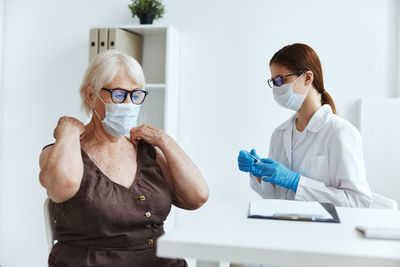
[
  {"x": 118, "y": 95},
  {"x": 278, "y": 80}
]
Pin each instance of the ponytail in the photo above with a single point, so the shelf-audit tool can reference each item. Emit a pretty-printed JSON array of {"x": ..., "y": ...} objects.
[{"x": 327, "y": 99}]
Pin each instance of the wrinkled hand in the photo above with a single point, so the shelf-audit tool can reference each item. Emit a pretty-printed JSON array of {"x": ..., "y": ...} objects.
[
  {"x": 69, "y": 126},
  {"x": 148, "y": 133},
  {"x": 274, "y": 172}
]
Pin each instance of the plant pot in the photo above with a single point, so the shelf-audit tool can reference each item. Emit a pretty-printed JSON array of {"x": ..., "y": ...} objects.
[{"x": 146, "y": 18}]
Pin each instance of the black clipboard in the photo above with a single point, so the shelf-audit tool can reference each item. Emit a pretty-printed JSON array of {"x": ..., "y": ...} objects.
[{"x": 329, "y": 207}]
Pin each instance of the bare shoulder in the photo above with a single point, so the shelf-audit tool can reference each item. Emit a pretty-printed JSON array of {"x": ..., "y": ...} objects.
[
  {"x": 162, "y": 161},
  {"x": 44, "y": 155},
  {"x": 160, "y": 158}
]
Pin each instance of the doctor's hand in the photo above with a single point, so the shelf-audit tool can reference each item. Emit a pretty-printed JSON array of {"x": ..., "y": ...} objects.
[
  {"x": 245, "y": 161},
  {"x": 274, "y": 172}
]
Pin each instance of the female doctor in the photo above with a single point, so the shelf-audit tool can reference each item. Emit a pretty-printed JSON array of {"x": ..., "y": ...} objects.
[{"x": 315, "y": 155}]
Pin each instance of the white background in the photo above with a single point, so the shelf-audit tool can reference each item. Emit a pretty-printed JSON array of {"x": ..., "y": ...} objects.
[{"x": 225, "y": 49}]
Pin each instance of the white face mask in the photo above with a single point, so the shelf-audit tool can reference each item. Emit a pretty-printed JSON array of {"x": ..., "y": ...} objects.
[
  {"x": 285, "y": 96},
  {"x": 120, "y": 118}
]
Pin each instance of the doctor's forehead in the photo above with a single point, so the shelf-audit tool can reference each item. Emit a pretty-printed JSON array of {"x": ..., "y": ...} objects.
[{"x": 278, "y": 69}]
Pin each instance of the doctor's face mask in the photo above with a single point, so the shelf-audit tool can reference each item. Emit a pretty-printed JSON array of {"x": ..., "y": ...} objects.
[{"x": 286, "y": 97}]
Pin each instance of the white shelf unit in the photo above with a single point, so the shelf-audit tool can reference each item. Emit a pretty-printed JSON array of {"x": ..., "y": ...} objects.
[{"x": 160, "y": 63}]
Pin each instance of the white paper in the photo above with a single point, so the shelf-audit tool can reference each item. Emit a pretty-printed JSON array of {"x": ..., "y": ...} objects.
[{"x": 279, "y": 207}]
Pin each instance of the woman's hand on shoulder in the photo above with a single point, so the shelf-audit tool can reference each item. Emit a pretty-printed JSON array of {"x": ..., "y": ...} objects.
[
  {"x": 185, "y": 180},
  {"x": 68, "y": 126},
  {"x": 148, "y": 133}
]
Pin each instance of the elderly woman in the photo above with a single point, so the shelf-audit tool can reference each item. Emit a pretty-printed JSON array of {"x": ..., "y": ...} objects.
[{"x": 111, "y": 194}]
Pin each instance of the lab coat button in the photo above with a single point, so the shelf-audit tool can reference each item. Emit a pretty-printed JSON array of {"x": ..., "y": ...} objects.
[{"x": 148, "y": 214}]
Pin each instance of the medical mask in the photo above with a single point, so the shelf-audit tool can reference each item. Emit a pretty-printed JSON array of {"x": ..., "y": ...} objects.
[
  {"x": 285, "y": 96},
  {"x": 120, "y": 118}
]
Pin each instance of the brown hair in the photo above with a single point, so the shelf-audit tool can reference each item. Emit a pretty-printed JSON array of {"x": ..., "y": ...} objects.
[{"x": 298, "y": 57}]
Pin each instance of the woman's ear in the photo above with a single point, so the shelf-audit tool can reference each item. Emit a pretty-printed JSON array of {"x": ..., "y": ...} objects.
[
  {"x": 90, "y": 96},
  {"x": 309, "y": 77}
]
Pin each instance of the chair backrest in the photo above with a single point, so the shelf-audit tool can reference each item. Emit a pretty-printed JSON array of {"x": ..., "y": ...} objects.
[
  {"x": 49, "y": 224},
  {"x": 381, "y": 202}
]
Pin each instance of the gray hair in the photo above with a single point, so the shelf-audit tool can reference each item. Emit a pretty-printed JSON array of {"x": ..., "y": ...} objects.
[{"x": 104, "y": 67}]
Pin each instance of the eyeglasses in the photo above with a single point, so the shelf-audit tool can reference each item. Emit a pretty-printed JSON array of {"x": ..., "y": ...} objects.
[
  {"x": 278, "y": 80},
  {"x": 118, "y": 95}
]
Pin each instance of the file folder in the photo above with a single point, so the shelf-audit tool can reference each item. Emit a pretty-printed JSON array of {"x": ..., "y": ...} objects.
[
  {"x": 127, "y": 42},
  {"x": 103, "y": 39},
  {"x": 93, "y": 43}
]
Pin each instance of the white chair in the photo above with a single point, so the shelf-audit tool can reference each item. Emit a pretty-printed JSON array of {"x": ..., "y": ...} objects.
[
  {"x": 381, "y": 202},
  {"x": 49, "y": 224}
]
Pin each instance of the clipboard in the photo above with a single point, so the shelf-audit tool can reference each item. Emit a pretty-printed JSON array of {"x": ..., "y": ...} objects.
[{"x": 329, "y": 207}]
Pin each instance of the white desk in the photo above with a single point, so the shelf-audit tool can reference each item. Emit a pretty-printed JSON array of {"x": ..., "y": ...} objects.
[{"x": 222, "y": 232}]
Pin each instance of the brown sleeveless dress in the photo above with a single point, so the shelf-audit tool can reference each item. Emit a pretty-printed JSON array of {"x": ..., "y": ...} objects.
[{"x": 107, "y": 224}]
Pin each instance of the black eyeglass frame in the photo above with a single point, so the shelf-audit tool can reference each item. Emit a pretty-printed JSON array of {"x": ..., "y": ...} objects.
[
  {"x": 281, "y": 77},
  {"x": 126, "y": 93}
]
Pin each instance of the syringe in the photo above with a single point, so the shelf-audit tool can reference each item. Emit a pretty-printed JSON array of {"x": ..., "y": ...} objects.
[{"x": 254, "y": 157}]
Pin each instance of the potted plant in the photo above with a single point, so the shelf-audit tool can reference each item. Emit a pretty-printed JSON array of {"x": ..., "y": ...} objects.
[{"x": 147, "y": 10}]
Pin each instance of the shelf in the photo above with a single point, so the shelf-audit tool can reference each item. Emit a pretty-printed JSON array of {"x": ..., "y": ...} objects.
[
  {"x": 155, "y": 86},
  {"x": 145, "y": 29}
]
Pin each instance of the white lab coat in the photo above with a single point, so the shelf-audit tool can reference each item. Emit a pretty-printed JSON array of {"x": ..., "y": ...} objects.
[{"x": 329, "y": 159}]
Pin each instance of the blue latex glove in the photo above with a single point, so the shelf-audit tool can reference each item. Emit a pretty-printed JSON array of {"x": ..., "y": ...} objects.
[
  {"x": 274, "y": 172},
  {"x": 245, "y": 161}
]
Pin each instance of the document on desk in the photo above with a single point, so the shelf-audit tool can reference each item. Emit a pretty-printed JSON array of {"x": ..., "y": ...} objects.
[{"x": 288, "y": 209}]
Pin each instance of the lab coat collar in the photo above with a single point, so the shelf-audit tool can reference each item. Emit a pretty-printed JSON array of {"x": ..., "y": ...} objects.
[
  {"x": 314, "y": 125},
  {"x": 319, "y": 118},
  {"x": 316, "y": 122},
  {"x": 288, "y": 124}
]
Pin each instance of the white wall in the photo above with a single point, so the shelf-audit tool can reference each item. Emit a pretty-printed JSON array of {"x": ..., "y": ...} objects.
[
  {"x": 1, "y": 107},
  {"x": 225, "y": 49}
]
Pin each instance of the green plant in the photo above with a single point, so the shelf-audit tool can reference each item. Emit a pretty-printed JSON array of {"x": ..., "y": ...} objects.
[{"x": 154, "y": 7}]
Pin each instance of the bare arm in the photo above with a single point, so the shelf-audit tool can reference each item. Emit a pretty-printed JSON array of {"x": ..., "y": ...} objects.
[
  {"x": 182, "y": 175},
  {"x": 61, "y": 166}
]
